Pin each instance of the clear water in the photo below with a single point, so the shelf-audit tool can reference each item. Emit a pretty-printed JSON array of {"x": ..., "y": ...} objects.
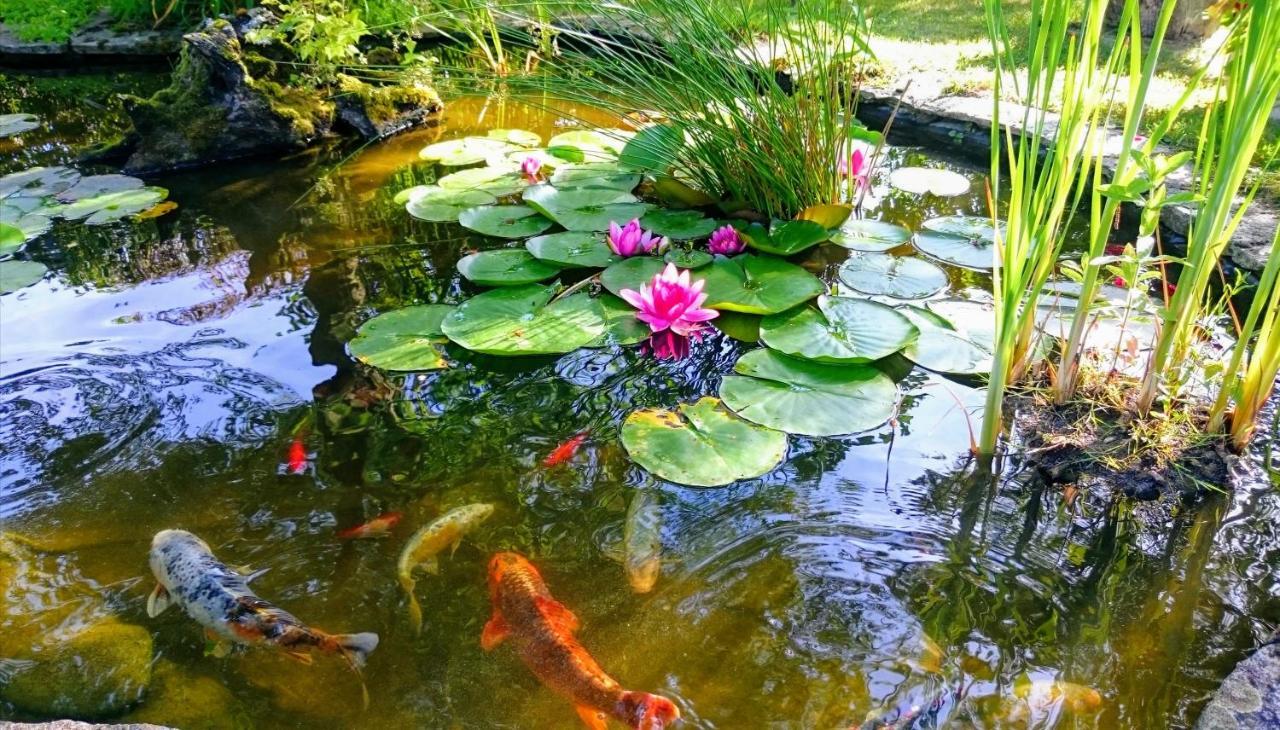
[{"x": 158, "y": 376}]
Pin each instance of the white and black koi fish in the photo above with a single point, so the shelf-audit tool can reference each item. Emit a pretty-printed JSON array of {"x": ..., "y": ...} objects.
[{"x": 219, "y": 599}]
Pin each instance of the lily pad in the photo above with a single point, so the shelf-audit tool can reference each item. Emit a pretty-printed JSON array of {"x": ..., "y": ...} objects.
[
  {"x": 870, "y": 235},
  {"x": 839, "y": 330},
  {"x": 504, "y": 221},
  {"x": 94, "y": 185},
  {"x": 678, "y": 192},
  {"x": 739, "y": 326},
  {"x": 403, "y": 340},
  {"x": 12, "y": 125},
  {"x": 593, "y": 143},
  {"x": 573, "y": 249},
  {"x": 900, "y": 277},
  {"x": 585, "y": 209},
  {"x": 522, "y": 137},
  {"x": 758, "y": 284},
  {"x": 971, "y": 253},
  {"x": 808, "y": 398},
  {"x": 594, "y": 175},
  {"x": 524, "y": 321},
  {"x": 11, "y": 238},
  {"x": 921, "y": 180},
  {"x": 15, "y": 275},
  {"x": 688, "y": 258},
  {"x": 701, "y": 444},
  {"x": 631, "y": 272},
  {"x": 111, "y": 207},
  {"x": 678, "y": 225},
  {"x": 943, "y": 348},
  {"x": 505, "y": 267},
  {"x": 439, "y": 204},
  {"x": 38, "y": 182},
  {"x": 27, "y": 225},
  {"x": 496, "y": 180},
  {"x": 785, "y": 238},
  {"x": 827, "y": 215},
  {"x": 466, "y": 151},
  {"x": 621, "y": 325}
]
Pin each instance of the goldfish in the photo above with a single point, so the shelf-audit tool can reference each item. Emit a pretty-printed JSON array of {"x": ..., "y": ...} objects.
[
  {"x": 565, "y": 451},
  {"x": 421, "y": 550},
  {"x": 219, "y": 598},
  {"x": 379, "y": 526},
  {"x": 642, "y": 541},
  {"x": 297, "y": 462},
  {"x": 542, "y": 630}
]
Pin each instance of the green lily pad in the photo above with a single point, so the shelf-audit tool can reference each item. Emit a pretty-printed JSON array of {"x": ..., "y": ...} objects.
[
  {"x": 839, "y": 330},
  {"x": 93, "y": 186},
  {"x": 971, "y": 253},
  {"x": 758, "y": 284},
  {"x": 504, "y": 221},
  {"x": 585, "y": 209},
  {"x": 785, "y": 238},
  {"x": 16, "y": 224},
  {"x": 808, "y": 398},
  {"x": 522, "y": 320},
  {"x": 869, "y": 235},
  {"x": 443, "y": 204},
  {"x": 496, "y": 180},
  {"x": 466, "y": 151},
  {"x": 11, "y": 125},
  {"x": 630, "y": 273},
  {"x": 111, "y": 207},
  {"x": 827, "y": 215},
  {"x": 11, "y": 238},
  {"x": 621, "y": 325},
  {"x": 943, "y": 348},
  {"x": 678, "y": 192},
  {"x": 505, "y": 267},
  {"x": 688, "y": 258},
  {"x": 403, "y": 340},
  {"x": 678, "y": 225},
  {"x": 573, "y": 249},
  {"x": 594, "y": 175},
  {"x": 964, "y": 226},
  {"x": 592, "y": 143},
  {"x": 739, "y": 326},
  {"x": 701, "y": 444},
  {"x": 15, "y": 275},
  {"x": 522, "y": 137},
  {"x": 921, "y": 180},
  {"x": 900, "y": 277},
  {"x": 38, "y": 182}
]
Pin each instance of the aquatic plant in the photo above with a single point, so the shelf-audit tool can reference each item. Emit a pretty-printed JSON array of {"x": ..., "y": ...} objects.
[
  {"x": 671, "y": 301},
  {"x": 725, "y": 241},
  {"x": 632, "y": 240},
  {"x": 531, "y": 168}
]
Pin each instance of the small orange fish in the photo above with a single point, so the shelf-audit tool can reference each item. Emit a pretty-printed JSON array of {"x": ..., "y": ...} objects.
[
  {"x": 297, "y": 456},
  {"x": 542, "y": 630},
  {"x": 379, "y": 526},
  {"x": 565, "y": 451}
]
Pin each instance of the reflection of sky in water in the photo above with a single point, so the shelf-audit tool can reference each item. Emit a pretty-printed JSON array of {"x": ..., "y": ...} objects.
[{"x": 164, "y": 387}]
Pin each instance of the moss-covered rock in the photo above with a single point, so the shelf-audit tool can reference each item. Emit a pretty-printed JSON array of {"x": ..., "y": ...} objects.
[
  {"x": 97, "y": 673},
  {"x": 378, "y": 111},
  {"x": 178, "y": 698}
]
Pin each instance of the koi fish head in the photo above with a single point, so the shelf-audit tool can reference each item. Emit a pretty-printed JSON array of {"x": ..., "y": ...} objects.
[
  {"x": 170, "y": 546},
  {"x": 646, "y": 711},
  {"x": 503, "y": 564}
]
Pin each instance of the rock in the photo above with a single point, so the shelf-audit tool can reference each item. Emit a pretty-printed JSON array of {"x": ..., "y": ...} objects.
[
  {"x": 189, "y": 701},
  {"x": 374, "y": 112},
  {"x": 99, "y": 672},
  {"x": 75, "y": 725},
  {"x": 101, "y": 37},
  {"x": 1249, "y": 698}
]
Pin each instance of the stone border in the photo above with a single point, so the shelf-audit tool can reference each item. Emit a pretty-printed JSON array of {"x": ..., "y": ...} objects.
[{"x": 96, "y": 43}]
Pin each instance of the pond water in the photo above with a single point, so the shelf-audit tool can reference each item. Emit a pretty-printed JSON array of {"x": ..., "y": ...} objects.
[{"x": 158, "y": 377}]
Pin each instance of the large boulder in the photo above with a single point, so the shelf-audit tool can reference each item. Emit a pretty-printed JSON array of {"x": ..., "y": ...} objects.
[
  {"x": 179, "y": 698},
  {"x": 1249, "y": 698}
]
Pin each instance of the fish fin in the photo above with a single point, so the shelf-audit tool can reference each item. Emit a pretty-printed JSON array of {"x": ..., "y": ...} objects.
[
  {"x": 158, "y": 601},
  {"x": 415, "y": 614},
  {"x": 495, "y": 632},
  {"x": 250, "y": 574},
  {"x": 556, "y": 614},
  {"x": 356, "y": 648},
  {"x": 592, "y": 718},
  {"x": 302, "y": 657},
  {"x": 614, "y": 551},
  {"x": 11, "y": 667}
]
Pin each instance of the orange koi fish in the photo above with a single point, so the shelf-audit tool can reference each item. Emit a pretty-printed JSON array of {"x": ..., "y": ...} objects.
[
  {"x": 565, "y": 451},
  {"x": 542, "y": 631},
  {"x": 379, "y": 526},
  {"x": 297, "y": 456}
]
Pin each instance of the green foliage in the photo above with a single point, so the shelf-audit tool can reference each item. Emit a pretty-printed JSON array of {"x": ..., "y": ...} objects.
[
  {"x": 323, "y": 34},
  {"x": 46, "y": 20}
]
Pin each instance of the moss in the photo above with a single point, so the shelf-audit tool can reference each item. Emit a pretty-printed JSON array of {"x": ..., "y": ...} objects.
[
  {"x": 180, "y": 114},
  {"x": 178, "y": 698},
  {"x": 383, "y": 104},
  {"x": 307, "y": 110}
]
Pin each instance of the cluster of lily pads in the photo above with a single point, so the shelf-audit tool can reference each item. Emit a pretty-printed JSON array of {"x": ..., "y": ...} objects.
[
  {"x": 814, "y": 375},
  {"x": 31, "y": 200}
]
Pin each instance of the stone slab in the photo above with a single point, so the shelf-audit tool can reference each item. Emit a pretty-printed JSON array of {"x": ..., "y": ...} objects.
[{"x": 1249, "y": 698}]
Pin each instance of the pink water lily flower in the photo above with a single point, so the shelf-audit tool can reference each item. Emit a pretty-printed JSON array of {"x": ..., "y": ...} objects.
[
  {"x": 531, "y": 168},
  {"x": 667, "y": 345},
  {"x": 857, "y": 166},
  {"x": 726, "y": 241},
  {"x": 671, "y": 301},
  {"x": 632, "y": 240}
]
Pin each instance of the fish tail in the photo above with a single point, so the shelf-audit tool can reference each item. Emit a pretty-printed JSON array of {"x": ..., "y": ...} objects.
[
  {"x": 415, "y": 614},
  {"x": 644, "y": 711},
  {"x": 355, "y": 648}
]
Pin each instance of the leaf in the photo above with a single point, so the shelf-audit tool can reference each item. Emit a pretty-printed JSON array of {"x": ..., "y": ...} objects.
[
  {"x": 785, "y": 237},
  {"x": 38, "y": 182},
  {"x": 827, "y": 215},
  {"x": 505, "y": 267},
  {"x": 434, "y": 203},
  {"x": 839, "y": 330},
  {"x": 965, "y": 226},
  {"x": 573, "y": 249},
  {"x": 95, "y": 185},
  {"x": 869, "y": 235},
  {"x": 688, "y": 258},
  {"x": 802, "y": 397},
  {"x": 971, "y": 253},
  {"x": 672, "y": 190},
  {"x": 11, "y": 125},
  {"x": 621, "y": 325},
  {"x": 504, "y": 221},
  {"x": 678, "y": 225},
  {"x": 158, "y": 210},
  {"x": 585, "y": 209},
  {"x": 466, "y": 151},
  {"x": 594, "y": 175},
  {"x": 403, "y": 340},
  {"x": 701, "y": 444},
  {"x": 653, "y": 149},
  {"x": 522, "y": 137},
  {"x": 921, "y": 180},
  {"x": 943, "y": 348},
  {"x": 758, "y": 284},
  {"x": 594, "y": 144},
  {"x": 524, "y": 321},
  {"x": 111, "y": 207},
  {"x": 900, "y": 277},
  {"x": 739, "y": 326},
  {"x": 630, "y": 273},
  {"x": 496, "y": 180},
  {"x": 11, "y": 238},
  {"x": 15, "y": 274}
]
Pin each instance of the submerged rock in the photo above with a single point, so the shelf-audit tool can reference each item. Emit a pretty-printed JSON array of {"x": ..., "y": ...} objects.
[
  {"x": 1249, "y": 698},
  {"x": 179, "y": 698}
]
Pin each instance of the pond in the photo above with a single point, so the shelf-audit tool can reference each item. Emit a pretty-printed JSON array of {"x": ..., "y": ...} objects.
[{"x": 163, "y": 372}]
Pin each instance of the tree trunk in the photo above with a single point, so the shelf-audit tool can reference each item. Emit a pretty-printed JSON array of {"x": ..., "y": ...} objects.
[{"x": 1188, "y": 21}]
